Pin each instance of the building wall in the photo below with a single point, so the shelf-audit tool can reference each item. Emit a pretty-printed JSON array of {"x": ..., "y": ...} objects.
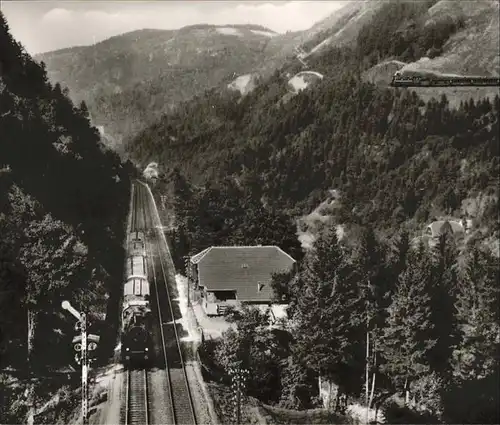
[{"x": 212, "y": 306}]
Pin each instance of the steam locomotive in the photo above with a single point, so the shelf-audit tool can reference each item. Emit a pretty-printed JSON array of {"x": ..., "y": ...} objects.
[
  {"x": 137, "y": 346},
  {"x": 400, "y": 79}
]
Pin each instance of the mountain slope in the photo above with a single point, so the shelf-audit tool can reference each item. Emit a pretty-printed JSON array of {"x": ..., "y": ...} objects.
[
  {"x": 448, "y": 37},
  {"x": 273, "y": 129},
  {"x": 396, "y": 164},
  {"x": 130, "y": 80}
]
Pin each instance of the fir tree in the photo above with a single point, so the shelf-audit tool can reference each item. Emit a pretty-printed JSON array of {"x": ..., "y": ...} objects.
[
  {"x": 376, "y": 288},
  {"x": 84, "y": 110},
  {"x": 444, "y": 295},
  {"x": 329, "y": 315},
  {"x": 478, "y": 314},
  {"x": 407, "y": 338}
]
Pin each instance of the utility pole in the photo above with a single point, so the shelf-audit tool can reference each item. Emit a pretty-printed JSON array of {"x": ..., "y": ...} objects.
[
  {"x": 31, "y": 386},
  {"x": 367, "y": 377},
  {"x": 367, "y": 370},
  {"x": 82, "y": 319},
  {"x": 85, "y": 388},
  {"x": 186, "y": 265}
]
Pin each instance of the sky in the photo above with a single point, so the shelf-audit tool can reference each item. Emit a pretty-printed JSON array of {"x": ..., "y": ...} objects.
[{"x": 43, "y": 26}]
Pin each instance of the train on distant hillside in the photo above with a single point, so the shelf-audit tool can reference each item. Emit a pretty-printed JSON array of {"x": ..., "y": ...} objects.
[
  {"x": 136, "y": 340},
  {"x": 407, "y": 79}
]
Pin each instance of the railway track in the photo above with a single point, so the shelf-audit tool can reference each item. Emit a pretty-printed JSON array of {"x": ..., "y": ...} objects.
[
  {"x": 133, "y": 226},
  {"x": 136, "y": 412},
  {"x": 180, "y": 397}
]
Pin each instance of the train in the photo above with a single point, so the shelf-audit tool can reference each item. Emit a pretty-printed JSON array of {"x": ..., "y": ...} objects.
[
  {"x": 136, "y": 248},
  {"x": 136, "y": 265},
  {"x": 137, "y": 236},
  {"x": 401, "y": 79},
  {"x": 136, "y": 341}
]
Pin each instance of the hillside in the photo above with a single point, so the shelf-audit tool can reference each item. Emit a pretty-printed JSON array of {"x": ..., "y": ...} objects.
[
  {"x": 341, "y": 27},
  {"x": 63, "y": 204},
  {"x": 460, "y": 38},
  {"x": 223, "y": 133},
  {"x": 241, "y": 170},
  {"x": 129, "y": 80},
  {"x": 347, "y": 176}
]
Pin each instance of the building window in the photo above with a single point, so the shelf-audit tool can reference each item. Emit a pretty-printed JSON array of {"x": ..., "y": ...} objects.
[
  {"x": 244, "y": 266},
  {"x": 260, "y": 285}
]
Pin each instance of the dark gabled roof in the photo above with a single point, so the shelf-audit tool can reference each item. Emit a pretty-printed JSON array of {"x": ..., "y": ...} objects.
[{"x": 241, "y": 268}]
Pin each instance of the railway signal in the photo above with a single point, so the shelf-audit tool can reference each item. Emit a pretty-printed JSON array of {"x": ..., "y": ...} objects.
[
  {"x": 84, "y": 361},
  {"x": 92, "y": 344}
]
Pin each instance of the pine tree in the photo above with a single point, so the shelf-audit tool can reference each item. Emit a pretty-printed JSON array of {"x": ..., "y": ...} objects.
[
  {"x": 478, "y": 313},
  {"x": 376, "y": 288},
  {"x": 407, "y": 338},
  {"x": 330, "y": 329},
  {"x": 445, "y": 287},
  {"x": 496, "y": 103},
  {"x": 84, "y": 110},
  {"x": 183, "y": 193},
  {"x": 399, "y": 254}
]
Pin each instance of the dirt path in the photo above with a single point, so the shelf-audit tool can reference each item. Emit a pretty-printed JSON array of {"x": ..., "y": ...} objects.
[{"x": 110, "y": 382}]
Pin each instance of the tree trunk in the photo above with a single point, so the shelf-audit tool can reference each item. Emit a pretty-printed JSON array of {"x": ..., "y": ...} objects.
[
  {"x": 372, "y": 391},
  {"x": 367, "y": 372},
  {"x": 31, "y": 385},
  {"x": 407, "y": 393},
  {"x": 374, "y": 376}
]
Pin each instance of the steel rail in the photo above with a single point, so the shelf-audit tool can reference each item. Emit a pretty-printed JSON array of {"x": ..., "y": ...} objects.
[
  {"x": 136, "y": 411},
  {"x": 149, "y": 252},
  {"x": 183, "y": 415}
]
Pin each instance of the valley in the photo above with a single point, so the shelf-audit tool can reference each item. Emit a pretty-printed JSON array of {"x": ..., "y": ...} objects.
[{"x": 331, "y": 242}]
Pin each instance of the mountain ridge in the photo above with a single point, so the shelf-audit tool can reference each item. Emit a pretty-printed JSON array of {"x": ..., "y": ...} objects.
[
  {"x": 169, "y": 65},
  {"x": 130, "y": 80}
]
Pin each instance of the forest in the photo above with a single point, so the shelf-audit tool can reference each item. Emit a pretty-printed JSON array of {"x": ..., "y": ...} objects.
[
  {"x": 244, "y": 169},
  {"x": 398, "y": 31},
  {"x": 63, "y": 204},
  {"x": 396, "y": 160},
  {"x": 431, "y": 323}
]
